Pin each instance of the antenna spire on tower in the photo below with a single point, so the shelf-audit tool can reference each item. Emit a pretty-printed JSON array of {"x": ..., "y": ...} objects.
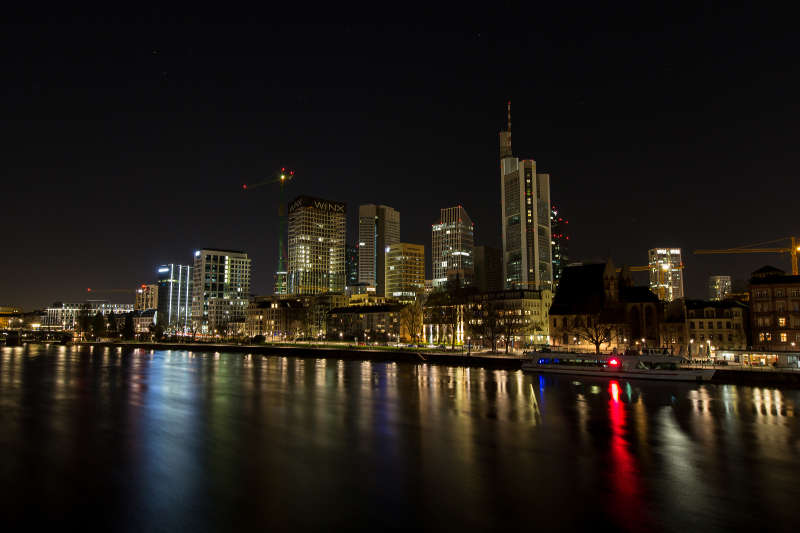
[{"x": 509, "y": 115}]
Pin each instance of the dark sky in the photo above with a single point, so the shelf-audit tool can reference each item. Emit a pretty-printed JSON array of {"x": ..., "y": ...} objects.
[{"x": 125, "y": 142}]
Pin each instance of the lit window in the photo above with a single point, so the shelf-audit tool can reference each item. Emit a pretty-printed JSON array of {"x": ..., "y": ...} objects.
[
  {"x": 782, "y": 323},
  {"x": 784, "y": 337}
]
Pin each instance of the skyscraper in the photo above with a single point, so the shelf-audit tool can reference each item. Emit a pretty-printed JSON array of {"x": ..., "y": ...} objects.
[
  {"x": 525, "y": 208},
  {"x": 559, "y": 227},
  {"x": 666, "y": 276},
  {"x": 316, "y": 246},
  {"x": 488, "y": 269},
  {"x": 405, "y": 271},
  {"x": 719, "y": 287},
  {"x": 351, "y": 264},
  {"x": 378, "y": 228},
  {"x": 452, "y": 246},
  {"x": 174, "y": 297},
  {"x": 221, "y": 289}
]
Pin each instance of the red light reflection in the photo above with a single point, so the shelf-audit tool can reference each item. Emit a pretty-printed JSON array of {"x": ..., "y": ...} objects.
[{"x": 623, "y": 469}]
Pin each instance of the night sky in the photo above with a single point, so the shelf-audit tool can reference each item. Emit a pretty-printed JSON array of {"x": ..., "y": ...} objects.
[{"x": 125, "y": 143}]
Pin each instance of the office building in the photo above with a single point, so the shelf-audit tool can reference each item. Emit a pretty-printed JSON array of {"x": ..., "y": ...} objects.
[
  {"x": 65, "y": 316},
  {"x": 174, "y": 302},
  {"x": 220, "y": 290},
  {"x": 488, "y": 269},
  {"x": 559, "y": 226},
  {"x": 146, "y": 297},
  {"x": 666, "y": 273},
  {"x": 452, "y": 247},
  {"x": 378, "y": 228},
  {"x": 525, "y": 208},
  {"x": 316, "y": 246},
  {"x": 405, "y": 271},
  {"x": 719, "y": 287},
  {"x": 351, "y": 265},
  {"x": 775, "y": 310}
]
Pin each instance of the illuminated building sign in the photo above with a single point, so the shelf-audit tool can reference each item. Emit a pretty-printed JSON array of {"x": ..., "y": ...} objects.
[{"x": 316, "y": 203}]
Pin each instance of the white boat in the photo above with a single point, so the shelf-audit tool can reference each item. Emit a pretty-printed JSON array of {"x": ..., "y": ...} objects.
[{"x": 647, "y": 366}]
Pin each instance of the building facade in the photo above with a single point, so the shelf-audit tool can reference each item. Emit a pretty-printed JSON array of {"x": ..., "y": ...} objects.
[
  {"x": 719, "y": 287},
  {"x": 716, "y": 326},
  {"x": 559, "y": 226},
  {"x": 316, "y": 246},
  {"x": 64, "y": 316},
  {"x": 405, "y": 271},
  {"x": 378, "y": 228},
  {"x": 146, "y": 297},
  {"x": 775, "y": 310},
  {"x": 666, "y": 273},
  {"x": 520, "y": 318},
  {"x": 174, "y": 302},
  {"x": 371, "y": 323},
  {"x": 488, "y": 269},
  {"x": 220, "y": 290},
  {"x": 452, "y": 246},
  {"x": 525, "y": 211},
  {"x": 351, "y": 265}
]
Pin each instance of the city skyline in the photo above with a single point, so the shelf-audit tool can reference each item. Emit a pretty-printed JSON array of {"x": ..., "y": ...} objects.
[{"x": 183, "y": 160}]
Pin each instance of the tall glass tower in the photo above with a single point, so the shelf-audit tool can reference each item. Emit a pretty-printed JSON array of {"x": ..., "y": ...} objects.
[{"x": 525, "y": 208}]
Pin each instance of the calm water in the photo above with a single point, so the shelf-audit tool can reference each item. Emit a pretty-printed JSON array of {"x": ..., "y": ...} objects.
[{"x": 167, "y": 440}]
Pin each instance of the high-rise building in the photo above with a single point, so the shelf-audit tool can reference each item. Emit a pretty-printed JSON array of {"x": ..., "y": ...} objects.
[
  {"x": 559, "y": 226},
  {"x": 146, "y": 297},
  {"x": 174, "y": 304},
  {"x": 719, "y": 287},
  {"x": 405, "y": 271},
  {"x": 316, "y": 246},
  {"x": 666, "y": 273},
  {"x": 452, "y": 246},
  {"x": 220, "y": 290},
  {"x": 488, "y": 269},
  {"x": 378, "y": 228},
  {"x": 525, "y": 208},
  {"x": 351, "y": 264}
]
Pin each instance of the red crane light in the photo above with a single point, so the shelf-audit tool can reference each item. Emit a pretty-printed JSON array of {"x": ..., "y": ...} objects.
[
  {"x": 244, "y": 186},
  {"x": 613, "y": 362}
]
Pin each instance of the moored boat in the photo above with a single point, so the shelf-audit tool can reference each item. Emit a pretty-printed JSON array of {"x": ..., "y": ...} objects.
[{"x": 648, "y": 366}]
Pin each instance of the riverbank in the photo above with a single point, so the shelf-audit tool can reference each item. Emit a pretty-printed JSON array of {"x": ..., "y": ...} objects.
[{"x": 766, "y": 377}]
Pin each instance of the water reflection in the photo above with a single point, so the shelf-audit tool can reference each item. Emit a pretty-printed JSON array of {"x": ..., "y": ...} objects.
[{"x": 203, "y": 441}]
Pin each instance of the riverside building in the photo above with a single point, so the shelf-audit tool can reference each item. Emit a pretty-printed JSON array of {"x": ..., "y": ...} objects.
[
  {"x": 174, "y": 303},
  {"x": 378, "y": 228},
  {"x": 316, "y": 246},
  {"x": 525, "y": 208},
  {"x": 220, "y": 290},
  {"x": 146, "y": 297}
]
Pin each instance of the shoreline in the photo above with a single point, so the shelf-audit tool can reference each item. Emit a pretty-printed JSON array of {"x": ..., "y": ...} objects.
[{"x": 490, "y": 362}]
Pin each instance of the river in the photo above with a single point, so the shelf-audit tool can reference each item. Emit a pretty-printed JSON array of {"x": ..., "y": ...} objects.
[{"x": 139, "y": 440}]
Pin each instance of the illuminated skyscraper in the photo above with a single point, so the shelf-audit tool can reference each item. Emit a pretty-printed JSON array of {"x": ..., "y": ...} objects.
[
  {"x": 719, "y": 287},
  {"x": 525, "y": 211},
  {"x": 452, "y": 247},
  {"x": 174, "y": 297},
  {"x": 351, "y": 264},
  {"x": 146, "y": 297},
  {"x": 666, "y": 273},
  {"x": 560, "y": 242},
  {"x": 316, "y": 246},
  {"x": 221, "y": 289},
  {"x": 378, "y": 228},
  {"x": 405, "y": 271}
]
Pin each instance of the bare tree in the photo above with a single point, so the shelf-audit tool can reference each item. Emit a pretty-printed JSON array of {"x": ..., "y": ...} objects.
[
  {"x": 594, "y": 331},
  {"x": 484, "y": 321},
  {"x": 411, "y": 318}
]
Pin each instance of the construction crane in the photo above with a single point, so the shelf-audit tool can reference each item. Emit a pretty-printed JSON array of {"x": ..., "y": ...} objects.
[
  {"x": 792, "y": 250},
  {"x": 282, "y": 178},
  {"x": 103, "y": 291},
  {"x": 646, "y": 268}
]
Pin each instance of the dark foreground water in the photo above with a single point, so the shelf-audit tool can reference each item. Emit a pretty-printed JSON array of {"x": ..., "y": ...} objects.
[{"x": 178, "y": 441}]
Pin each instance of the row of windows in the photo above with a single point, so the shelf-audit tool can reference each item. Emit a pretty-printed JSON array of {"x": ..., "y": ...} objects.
[
  {"x": 765, "y": 336},
  {"x": 710, "y": 324},
  {"x": 780, "y": 306},
  {"x": 779, "y": 293}
]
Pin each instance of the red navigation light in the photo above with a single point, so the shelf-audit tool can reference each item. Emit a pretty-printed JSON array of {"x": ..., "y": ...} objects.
[
  {"x": 291, "y": 172},
  {"x": 88, "y": 289},
  {"x": 244, "y": 186},
  {"x": 613, "y": 362},
  {"x": 283, "y": 169}
]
